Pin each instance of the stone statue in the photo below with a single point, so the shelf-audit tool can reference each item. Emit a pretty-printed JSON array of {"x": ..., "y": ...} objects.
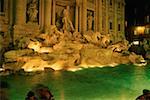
[
  {"x": 119, "y": 46},
  {"x": 67, "y": 24},
  {"x": 32, "y": 10},
  {"x": 105, "y": 40},
  {"x": 90, "y": 21}
]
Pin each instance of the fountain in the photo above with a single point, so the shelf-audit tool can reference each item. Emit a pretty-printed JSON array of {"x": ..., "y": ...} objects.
[{"x": 67, "y": 49}]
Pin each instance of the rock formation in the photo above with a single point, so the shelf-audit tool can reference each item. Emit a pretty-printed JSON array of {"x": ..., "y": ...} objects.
[
  {"x": 67, "y": 50},
  {"x": 55, "y": 51}
]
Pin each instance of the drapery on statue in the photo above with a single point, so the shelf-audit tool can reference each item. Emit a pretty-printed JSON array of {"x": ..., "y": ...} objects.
[
  {"x": 32, "y": 10},
  {"x": 90, "y": 20},
  {"x": 67, "y": 24}
]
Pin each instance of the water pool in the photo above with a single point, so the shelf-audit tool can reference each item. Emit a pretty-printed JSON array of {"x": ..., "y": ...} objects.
[{"x": 123, "y": 82}]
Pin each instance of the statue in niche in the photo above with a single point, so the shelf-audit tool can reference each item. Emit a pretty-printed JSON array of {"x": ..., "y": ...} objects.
[
  {"x": 32, "y": 11},
  {"x": 90, "y": 21},
  {"x": 67, "y": 24}
]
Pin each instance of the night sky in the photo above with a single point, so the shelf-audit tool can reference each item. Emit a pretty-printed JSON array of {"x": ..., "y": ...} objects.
[{"x": 142, "y": 9}]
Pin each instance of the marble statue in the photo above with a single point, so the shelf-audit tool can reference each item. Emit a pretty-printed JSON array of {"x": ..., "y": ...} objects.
[
  {"x": 67, "y": 24},
  {"x": 37, "y": 47},
  {"x": 97, "y": 38},
  {"x": 32, "y": 11},
  {"x": 89, "y": 21},
  {"x": 105, "y": 40},
  {"x": 119, "y": 46}
]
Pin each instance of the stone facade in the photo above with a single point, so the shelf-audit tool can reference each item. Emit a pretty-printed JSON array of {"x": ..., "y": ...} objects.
[
  {"x": 26, "y": 17},
  {"x": 63, "y": 34}
]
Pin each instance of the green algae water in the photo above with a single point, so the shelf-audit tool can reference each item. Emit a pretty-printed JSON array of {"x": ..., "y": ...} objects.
[{"x": 123, "y": 82}]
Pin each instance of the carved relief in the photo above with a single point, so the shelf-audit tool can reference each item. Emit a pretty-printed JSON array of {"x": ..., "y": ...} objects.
[
  {"x": 67, "y": 24},
  {"x": 32, "y": 11},
  {"x": 90, "y": 20}
]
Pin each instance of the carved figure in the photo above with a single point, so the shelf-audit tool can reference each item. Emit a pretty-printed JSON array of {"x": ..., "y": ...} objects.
[
  {"x": 119, "y": 46},
  {"x": 105, "y": 40},
  {"x": 32, "y": 10},
  {"x": 90, "y": 21},
  {"x": 67, "y": 24},
  {"x": 37, "y": 46}
]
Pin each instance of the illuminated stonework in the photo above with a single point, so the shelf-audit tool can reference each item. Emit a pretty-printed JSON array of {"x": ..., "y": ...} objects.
[
  {"x": 66, "y": 34},
  {"x": 27, "y": 16}
]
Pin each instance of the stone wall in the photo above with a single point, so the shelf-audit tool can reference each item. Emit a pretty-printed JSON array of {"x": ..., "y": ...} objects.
[{"x": 35, "y": 16}]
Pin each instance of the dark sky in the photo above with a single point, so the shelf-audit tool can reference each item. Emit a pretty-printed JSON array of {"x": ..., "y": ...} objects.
[
  {"x": 137, "y": 3},
  {"x": 142, "y": 8}
]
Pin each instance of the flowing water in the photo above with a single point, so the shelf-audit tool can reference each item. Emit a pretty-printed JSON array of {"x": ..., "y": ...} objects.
[{"x": 123, "y": 82}]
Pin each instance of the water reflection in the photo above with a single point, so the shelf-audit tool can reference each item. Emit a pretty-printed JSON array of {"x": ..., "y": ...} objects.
[
  {"x": 140, "y": 79},
  {"x": 57, "y": 75},
  {"x": 124, "y": 82}
]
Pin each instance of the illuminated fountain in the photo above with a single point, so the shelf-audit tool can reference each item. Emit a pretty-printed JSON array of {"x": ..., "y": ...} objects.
[{"x": 66, "y": 51}]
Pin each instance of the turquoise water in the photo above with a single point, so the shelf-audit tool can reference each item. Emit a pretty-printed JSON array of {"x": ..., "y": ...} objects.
[{"x": 123, "y": 82}]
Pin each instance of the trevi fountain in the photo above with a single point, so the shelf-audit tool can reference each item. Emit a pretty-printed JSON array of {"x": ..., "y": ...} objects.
[{"x": 71, "y": 57}]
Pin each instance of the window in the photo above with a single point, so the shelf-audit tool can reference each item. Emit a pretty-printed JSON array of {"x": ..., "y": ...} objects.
[
  {"x": 110, "y": 2},
  {"x": 1, "y": 6},
  {"x": 119, "y": 5},
  {"x": 119, "y": 27},
  {"x": 147, "y": 19},
  {"x": 110, "y": 25}
]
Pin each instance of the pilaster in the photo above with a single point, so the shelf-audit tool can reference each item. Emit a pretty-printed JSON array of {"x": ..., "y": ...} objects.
[
  {"x": 107, "y": 22},
  {"x": 20, "y": 12},
  {"x": 41, "y": 14},
  {"x": 77, "y": 16},
  {"x": 100, "y": 15},
  {"x": 54, "y": 12},
  {"x": 96, "y": 14},
  {"x": 48, "y": 14},
  {"x": 84, "y": 16},
  {"x": 80, "y": 16},
  {"x": 116, "y": 19}
]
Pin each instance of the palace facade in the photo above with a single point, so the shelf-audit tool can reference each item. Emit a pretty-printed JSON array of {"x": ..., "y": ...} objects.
[{"x": 26, "y": 17}]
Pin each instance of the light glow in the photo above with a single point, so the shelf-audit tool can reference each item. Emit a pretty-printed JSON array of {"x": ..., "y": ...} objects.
[{"x": 139, "y": 30}]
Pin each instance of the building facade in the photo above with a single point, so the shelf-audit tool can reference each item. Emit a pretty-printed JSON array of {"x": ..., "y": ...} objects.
[{"x": 26, "y": 17}]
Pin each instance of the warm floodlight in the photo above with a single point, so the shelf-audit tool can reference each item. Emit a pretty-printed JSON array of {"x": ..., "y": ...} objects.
[{"x": 139, "y": 30}]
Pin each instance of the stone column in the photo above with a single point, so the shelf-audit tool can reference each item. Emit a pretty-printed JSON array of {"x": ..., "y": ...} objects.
[
  {"x": 54, "y": 12},
  {"x": 11, "y": 20},
  {"x": 48, "y": 5},
  {"x": 20, "y": 12},
  {"x": 100, "y": 16},
  {"x": 41, "y": 14},
  {"x": 7, "y": 6},
  {"x": 123, "y": 19},
  {"x": 107, "y": 22},
  {"x": 96, "y": 15},
  {"x": 11, "y": 12},
  {"x": 115, "y": 17},
  {"x": 84, "y": 16},
  {"x": 80, "y": 18},
  {"x": 77, "y": 16}
]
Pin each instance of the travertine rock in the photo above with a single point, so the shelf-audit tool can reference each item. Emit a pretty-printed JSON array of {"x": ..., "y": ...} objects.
[{"x": 67, "y": 50}]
